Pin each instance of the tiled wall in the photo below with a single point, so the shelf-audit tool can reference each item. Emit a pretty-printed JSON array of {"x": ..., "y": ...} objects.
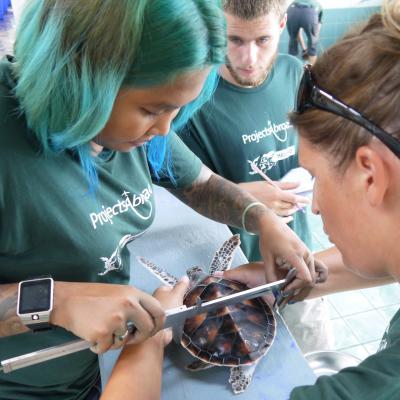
[{"x": 335, "y": 23}]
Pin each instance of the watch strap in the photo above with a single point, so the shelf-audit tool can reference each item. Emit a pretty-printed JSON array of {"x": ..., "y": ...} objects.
[{"x": 41, "y": 326}]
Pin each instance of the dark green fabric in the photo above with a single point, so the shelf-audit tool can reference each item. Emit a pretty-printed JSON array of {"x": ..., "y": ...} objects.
[
  {"x": 51, "y": 226},
  {"x": 251, "y": 124},
  {"x": 376, "y": 378}
]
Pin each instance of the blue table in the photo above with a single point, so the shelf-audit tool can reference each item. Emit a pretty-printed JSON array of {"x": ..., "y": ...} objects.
[{"x": 178, "y": 239}]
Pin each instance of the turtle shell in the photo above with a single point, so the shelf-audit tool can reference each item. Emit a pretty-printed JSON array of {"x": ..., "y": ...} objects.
[{"x": 237, "y": 334}]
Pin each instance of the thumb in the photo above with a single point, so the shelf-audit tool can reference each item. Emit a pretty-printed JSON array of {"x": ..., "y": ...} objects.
[{"x": 181, "y": 287}]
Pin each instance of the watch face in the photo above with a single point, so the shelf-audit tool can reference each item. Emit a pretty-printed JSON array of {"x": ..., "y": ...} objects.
[{"x": 35, "y": 296}]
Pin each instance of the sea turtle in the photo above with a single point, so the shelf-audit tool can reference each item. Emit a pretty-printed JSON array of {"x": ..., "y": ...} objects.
[{"x": 235, "y": 336}]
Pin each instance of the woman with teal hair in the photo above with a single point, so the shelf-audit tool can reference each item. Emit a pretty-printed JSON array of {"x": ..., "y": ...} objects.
[
  {"x": 86, "y": 108},
  {"x": 348, "y": 118}
]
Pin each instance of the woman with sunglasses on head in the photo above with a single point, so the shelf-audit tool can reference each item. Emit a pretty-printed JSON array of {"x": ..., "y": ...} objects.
[
  {"x": 348, "y": 117},
  {"x": 86, "y": 108}
]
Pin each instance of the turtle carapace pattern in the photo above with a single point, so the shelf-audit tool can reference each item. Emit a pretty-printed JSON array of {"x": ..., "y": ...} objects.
[{"x": 235, "y": 336}]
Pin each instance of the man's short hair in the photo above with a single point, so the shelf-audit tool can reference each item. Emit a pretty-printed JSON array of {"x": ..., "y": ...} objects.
[{"x": 250, "y": 9}]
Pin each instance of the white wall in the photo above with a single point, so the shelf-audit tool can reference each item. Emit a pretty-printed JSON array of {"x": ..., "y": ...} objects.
[{"x": 349, "y": 3}]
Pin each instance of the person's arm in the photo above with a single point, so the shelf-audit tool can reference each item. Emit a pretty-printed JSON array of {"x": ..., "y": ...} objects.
[
  {"x": 92, "y": 311},
  {"x": 137, "y": 375},
  {"x": 10, "y": 323},
  {"x": 340, "y": 277},
  {"x": 223, "y": 201},
  {"x": 328, "y": 262},
  {"x": 279, "y": 199}
]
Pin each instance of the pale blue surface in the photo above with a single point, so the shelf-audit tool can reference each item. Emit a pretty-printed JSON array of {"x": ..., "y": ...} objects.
[
  {"x": 181, "y": 238},
  {"x": 276, "y": 375}
]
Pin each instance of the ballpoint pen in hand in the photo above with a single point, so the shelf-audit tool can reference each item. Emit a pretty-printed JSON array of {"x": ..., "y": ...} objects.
[{"x": 257, "y": 170}]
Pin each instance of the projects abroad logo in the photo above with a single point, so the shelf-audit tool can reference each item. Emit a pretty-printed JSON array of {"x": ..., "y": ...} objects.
[
  {"x": 268, "y": 160},
  {"x": 129, "y": 203},
  {"x": 280, "y": 131}
]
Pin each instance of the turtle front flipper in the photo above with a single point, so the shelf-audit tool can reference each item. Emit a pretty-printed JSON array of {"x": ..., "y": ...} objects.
[
  {"x": 198, "y": 365},
  {"x": 241, "y": 376},
  {"x": 195, "y": 274},
  {"x": 162, "y": 275},
  {"x": 224, "y": 256}
]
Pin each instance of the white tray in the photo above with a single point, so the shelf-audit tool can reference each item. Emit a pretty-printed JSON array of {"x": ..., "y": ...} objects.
[{"x": 330, "y": 362}]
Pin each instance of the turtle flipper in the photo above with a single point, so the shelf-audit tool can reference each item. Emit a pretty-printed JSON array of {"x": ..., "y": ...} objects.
[
  {"x": 195, "y": 274},
  {"x": 198, "y": 365},
  {"x": 240, "y": 377},
  {"x": 224, "y": 256},
  {"x": 162, "y": 275}
]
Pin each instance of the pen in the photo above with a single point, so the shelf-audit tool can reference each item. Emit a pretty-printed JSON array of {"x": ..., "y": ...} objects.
[{"x": 270, "y": 181}]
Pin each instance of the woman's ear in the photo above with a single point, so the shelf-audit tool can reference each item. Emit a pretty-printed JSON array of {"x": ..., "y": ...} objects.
[{"x": 374, "y": 174}]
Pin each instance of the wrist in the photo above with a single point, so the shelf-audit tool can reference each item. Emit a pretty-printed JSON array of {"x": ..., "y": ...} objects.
[
  {"x": 151, "y": 347},
  {"x": 255, "y": 217},
  {"x": 61, "y": 293},
  {"x": 162, "y": 338},
  {"x": 270, "y": 225}
]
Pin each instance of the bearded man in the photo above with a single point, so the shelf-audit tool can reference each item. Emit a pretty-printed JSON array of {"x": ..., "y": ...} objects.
[{"x": 246, "y": 124}]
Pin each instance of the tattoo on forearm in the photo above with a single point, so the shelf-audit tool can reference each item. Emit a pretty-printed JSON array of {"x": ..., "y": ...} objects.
[
  {"x": 10, "y": 323},
  {"x": 221, "y": 200}
]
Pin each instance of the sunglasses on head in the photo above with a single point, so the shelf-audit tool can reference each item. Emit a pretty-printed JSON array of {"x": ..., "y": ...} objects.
[{"x": 310, "y": 95}]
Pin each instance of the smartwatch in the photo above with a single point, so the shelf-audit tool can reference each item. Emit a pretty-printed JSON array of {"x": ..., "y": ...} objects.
[{"x": 35, "y": 302}]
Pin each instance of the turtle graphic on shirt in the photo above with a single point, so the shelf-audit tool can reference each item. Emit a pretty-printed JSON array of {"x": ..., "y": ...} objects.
[{"x": 236, "y": 336}]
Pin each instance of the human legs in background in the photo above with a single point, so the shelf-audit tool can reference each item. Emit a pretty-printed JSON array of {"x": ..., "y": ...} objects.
[
  {"x": 293, "y": 27},
  {"x": 301, "y": 18},
  {"x": 302, "y": 42},
  {"x": 304, "y": 55},
  {"x": 312, "y": 33},
  {"x": 308, "y": 321}
]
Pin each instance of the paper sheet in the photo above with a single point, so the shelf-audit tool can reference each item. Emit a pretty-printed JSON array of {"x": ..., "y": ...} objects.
[{"x": 304, "y": 177}]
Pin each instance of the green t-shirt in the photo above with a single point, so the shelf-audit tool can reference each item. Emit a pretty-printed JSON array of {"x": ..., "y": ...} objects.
[
  {"x": 51, "y": 226},
  {"x": 251, "y": 124},
  {"x": 376, "y": 378}
]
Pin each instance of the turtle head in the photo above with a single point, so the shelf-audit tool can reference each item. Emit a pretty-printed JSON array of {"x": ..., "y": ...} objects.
[{"x": 195, "y": 275}]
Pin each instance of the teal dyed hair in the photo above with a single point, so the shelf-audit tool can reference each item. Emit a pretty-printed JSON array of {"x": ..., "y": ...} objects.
[{"x": 72, "y": 58}]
